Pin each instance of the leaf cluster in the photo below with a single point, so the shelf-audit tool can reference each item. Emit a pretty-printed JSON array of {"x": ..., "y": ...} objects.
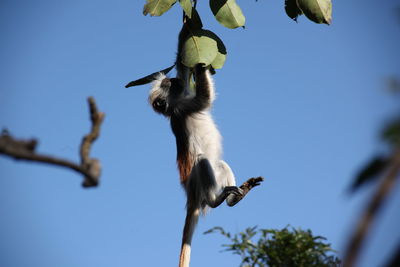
[
  {"x": 202, "y": 46},
  {"x": 198, "y": 45},
  {"x": 226, "y": 12},
  {"x": 279, "y": 248}
]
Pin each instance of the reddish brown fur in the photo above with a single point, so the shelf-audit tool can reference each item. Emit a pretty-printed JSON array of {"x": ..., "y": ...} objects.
[{"x": 185, "y": 165}]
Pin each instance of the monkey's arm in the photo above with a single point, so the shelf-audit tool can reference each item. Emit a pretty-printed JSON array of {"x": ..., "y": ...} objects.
[{"x": 205, "y": 92}]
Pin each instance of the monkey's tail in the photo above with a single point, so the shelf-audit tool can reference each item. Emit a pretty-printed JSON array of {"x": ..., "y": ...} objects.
[{"x": 192, "y": 217}]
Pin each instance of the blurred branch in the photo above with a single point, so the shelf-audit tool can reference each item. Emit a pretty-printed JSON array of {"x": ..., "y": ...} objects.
[
  {"x": 356, "y": 241},
  {"x": 90, "y": 168},
  {"x": 395, "y": 260},
  {"x": 393, "y": 84}
]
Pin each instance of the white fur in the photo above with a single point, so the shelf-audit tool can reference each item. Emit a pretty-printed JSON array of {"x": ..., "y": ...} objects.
[
  {"x": 156, "y": 87},
  {"x": 204, "y": 137}
]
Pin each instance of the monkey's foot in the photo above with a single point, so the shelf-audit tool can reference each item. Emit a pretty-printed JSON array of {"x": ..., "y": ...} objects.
[
  {"x": 245, "y": 188},
  {"x": 249, "y": 184}
]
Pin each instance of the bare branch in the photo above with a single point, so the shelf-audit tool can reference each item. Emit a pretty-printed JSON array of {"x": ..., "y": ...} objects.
[
  {"x": 90, "y": 168},
  {"x": 366, "y": 220}
]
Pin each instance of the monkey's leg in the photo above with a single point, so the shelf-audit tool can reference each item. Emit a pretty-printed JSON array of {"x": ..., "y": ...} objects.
[
  {"x": 204, "y": 186},
  {"x": 245, "y": 187},
  {"x": 224, "y": 174},
  {"x": 226, "y": 178}
]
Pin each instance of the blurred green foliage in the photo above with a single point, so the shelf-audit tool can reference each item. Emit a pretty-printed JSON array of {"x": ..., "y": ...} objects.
[
  {"x": 370, "y": 172},
  {"x": 391, "y": 133},
  {"x": 390, "y": 136},
  {"x": 287, "y": 247}
]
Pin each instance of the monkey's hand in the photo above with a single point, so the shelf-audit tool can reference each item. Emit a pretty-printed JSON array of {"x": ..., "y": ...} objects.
[{"x": 245, "y": 188}]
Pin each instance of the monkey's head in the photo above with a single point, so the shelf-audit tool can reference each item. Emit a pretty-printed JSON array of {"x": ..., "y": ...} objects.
[{"x": 165, "y": 94}]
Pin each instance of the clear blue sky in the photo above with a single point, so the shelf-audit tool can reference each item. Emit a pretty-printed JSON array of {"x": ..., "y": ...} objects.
[{"x": 300, "y": 104}]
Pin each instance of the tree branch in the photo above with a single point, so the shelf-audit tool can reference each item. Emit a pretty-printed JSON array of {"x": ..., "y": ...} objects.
[
  {"x": 365, "y": 222},
  {"x": 90, "y": 168}
]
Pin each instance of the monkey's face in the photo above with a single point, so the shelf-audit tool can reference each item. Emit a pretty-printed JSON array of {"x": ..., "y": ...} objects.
[
  {"x": 165, "y": 95},
  {"x": 160, "y": 105}
]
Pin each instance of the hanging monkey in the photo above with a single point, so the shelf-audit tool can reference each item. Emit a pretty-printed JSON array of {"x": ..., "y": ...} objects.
[{"x": 206, "y": 178}]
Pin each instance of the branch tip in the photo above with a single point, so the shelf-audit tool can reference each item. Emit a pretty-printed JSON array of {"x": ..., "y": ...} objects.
[{"x": 25, "y": 149}]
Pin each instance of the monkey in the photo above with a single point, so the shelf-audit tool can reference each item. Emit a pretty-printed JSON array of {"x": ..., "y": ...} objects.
[{"x": 207, "y": 180}]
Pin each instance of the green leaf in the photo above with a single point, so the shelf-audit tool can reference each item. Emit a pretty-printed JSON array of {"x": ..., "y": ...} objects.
[
  {"x": 219, "y": 60},
  {"x": 149, "y": 78},
  {"x": 200, "y": 47},
  {"x": 157, "y": 7},
  {"x": 292, "y": 10},
  {"x": 187, "y": 7},
  {"x": 228, "y": 13},
  {"x": 319, "y": 11}
]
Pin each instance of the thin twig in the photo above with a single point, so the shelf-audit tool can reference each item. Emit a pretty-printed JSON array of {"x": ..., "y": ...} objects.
[
  {"x": 365, "y": 222},
  {"x": 89, "y": 168}
]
